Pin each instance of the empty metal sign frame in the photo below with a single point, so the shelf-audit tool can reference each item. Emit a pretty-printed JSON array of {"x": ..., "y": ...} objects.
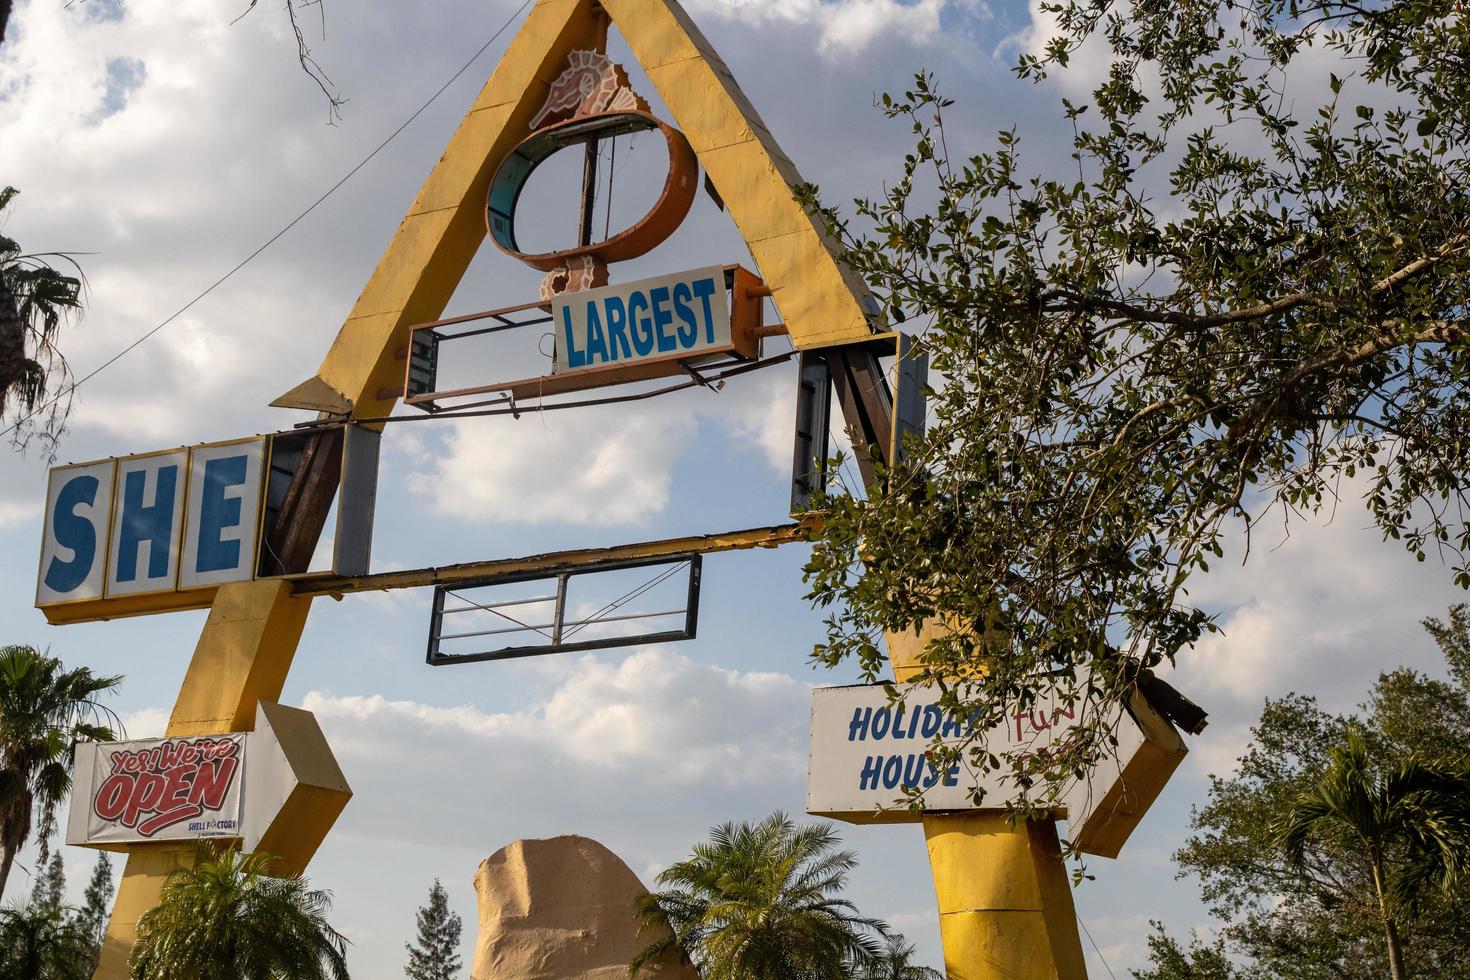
[{"x": 544, "y": 613}]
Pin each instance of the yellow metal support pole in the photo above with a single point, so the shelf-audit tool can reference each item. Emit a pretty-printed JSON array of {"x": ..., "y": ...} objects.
[
  {"x": 242, "y": 658},
  {"x": 1005, "y": 904},
  {"x": 253, "y": 628}
]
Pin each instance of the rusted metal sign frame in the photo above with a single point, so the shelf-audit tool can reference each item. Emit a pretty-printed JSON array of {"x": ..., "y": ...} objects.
[
  {"x": 882, "y": 408},
  {"x": 747, "y": 294},
  {"x": 688, "y": 631}
]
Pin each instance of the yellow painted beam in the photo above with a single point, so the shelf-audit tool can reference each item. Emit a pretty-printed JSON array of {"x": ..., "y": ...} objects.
[
  {"x": 1005, "y": 902},
  {"x": 242, "y": 657},
  {"x": 318, "y": 798},
  {"x": 125, "y": 606},
  {"x": 446, "y": 223},
  {"x": 820, "y": 300},
  {"x": 552, "y": 562}
]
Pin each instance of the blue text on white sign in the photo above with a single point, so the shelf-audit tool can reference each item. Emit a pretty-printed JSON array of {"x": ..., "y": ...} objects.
[{"x": 675, "y": 316}]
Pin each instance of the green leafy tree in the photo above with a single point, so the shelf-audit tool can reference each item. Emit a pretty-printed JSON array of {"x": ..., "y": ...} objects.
[
  {"x": 1242, "y": 295},
  {"x": 225, "y": 918},
  {"x": 1318, "y": 918},
  {"x": 41, "y": 941},
  {"x": 760, "y": 902},
  {"x": 35, "y": 299},
  {"x": 434, "y": 955},
  {"x": 1170, "y": 961},
  {"x": 895, "y": 962},
  {"x": 45, "y": 710},
  {"x": 1409, "y": 822}
]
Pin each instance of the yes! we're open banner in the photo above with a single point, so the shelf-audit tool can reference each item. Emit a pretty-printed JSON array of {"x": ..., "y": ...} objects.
[{"x": 166, "y": 789}]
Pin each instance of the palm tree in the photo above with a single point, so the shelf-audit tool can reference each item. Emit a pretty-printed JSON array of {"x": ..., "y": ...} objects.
[
  {"x": 1410, "y": 822},
  {"x": 895, "y": 962},
  {"x": 35, "y": 298},
  {"x": 225, "y": 919},
  {"x": 757, "y": 902},
  {"x": 42, "y": 941},
  {"x": 44, "y": 711}
]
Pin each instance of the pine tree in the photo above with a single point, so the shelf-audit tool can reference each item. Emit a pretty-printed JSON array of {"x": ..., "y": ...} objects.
[
  {"x": 435, "y": 956},
  {"x": 92, "y": 917},
  {"x": 50, "y": 880}
]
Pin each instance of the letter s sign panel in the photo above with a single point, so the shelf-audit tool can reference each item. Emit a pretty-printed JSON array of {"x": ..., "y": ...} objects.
[
  {"x": 74, "y": 541},
  {"x": 223, "y": 512},
  {"x": 149, "y": 505}
]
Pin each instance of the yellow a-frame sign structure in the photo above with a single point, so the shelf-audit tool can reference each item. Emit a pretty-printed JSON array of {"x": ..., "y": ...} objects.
[{"x": 1004, "y": 902}]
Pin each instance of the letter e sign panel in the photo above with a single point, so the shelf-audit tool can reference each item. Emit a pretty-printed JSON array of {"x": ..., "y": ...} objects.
[{"x": 223, "y": 513}]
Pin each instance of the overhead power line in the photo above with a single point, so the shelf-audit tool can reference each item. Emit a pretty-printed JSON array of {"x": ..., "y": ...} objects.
[{"x": 66, "y": 391}]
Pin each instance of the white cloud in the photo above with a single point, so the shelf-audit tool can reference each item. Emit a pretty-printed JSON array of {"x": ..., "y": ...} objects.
[
  {"x": 845, "y": 27},
  {"x": 593, "y": 466},
  {"x": 1087, "y": 66},
  {"x": 765, "y": 416},
  {"x": 144, "y": 723},
  {"x": 652, "y": 715},
  {"x": 1323, "y": 610},
  {"x": 598, "y": 466}
]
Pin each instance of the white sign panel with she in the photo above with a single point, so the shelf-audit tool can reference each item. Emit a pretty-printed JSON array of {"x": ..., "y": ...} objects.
[
  {"x": 152, "y": 523},
  {"x": 867, "y": 752},
  {"x": 670, "y": 317}
]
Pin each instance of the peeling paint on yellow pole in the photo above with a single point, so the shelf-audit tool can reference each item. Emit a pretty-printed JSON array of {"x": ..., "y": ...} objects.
[{"x": 1005, "y": 903}]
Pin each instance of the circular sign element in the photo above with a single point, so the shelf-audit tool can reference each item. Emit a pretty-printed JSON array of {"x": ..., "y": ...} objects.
[{"x": 648, "y": 232}]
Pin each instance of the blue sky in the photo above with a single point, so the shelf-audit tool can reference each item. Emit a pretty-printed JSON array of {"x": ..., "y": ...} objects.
[{"x": 170, "y": 144}]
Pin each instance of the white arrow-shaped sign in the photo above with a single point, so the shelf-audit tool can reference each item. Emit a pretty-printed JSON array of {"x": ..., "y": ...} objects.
[{"x": 254, "y": 786}]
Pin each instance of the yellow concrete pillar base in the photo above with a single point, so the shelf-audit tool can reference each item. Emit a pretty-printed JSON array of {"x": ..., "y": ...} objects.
[
  {"x": 142, "y": 882},
  {"x": 1005, "y": 905},
  {"x": 242, "y": 657}
]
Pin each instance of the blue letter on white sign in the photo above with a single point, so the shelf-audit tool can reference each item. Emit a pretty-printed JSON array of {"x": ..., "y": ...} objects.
[
  {"x": 76, "y": 533},
  {"x": 216, "y": 512},
  {"x": 153, "y": 524}
]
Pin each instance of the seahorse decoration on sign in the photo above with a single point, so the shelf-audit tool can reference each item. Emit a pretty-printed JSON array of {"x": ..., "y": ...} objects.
[
  {"x": 592, "y": 83},
  {"x": 590, "y": 100}
]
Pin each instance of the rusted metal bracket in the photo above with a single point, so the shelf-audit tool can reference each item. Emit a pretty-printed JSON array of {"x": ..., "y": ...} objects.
[
  {"x": 879, "y": 415},
  {"x": 552, "y": 562}
]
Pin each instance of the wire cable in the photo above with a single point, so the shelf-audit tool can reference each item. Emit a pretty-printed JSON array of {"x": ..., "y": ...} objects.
[
  {"x": 278, "y": 235},
  {"x": 1095, "y": 949},
  {"x": 626, "y": 598},
  {"x": 497, "y": 612}
]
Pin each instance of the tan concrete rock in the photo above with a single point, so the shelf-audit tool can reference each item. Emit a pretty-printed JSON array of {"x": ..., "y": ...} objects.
[{"x": 560, "y": 909}]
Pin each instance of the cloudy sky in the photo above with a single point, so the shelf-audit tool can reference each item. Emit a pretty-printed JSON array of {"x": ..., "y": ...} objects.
[{"x": 168, "y": 143}]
